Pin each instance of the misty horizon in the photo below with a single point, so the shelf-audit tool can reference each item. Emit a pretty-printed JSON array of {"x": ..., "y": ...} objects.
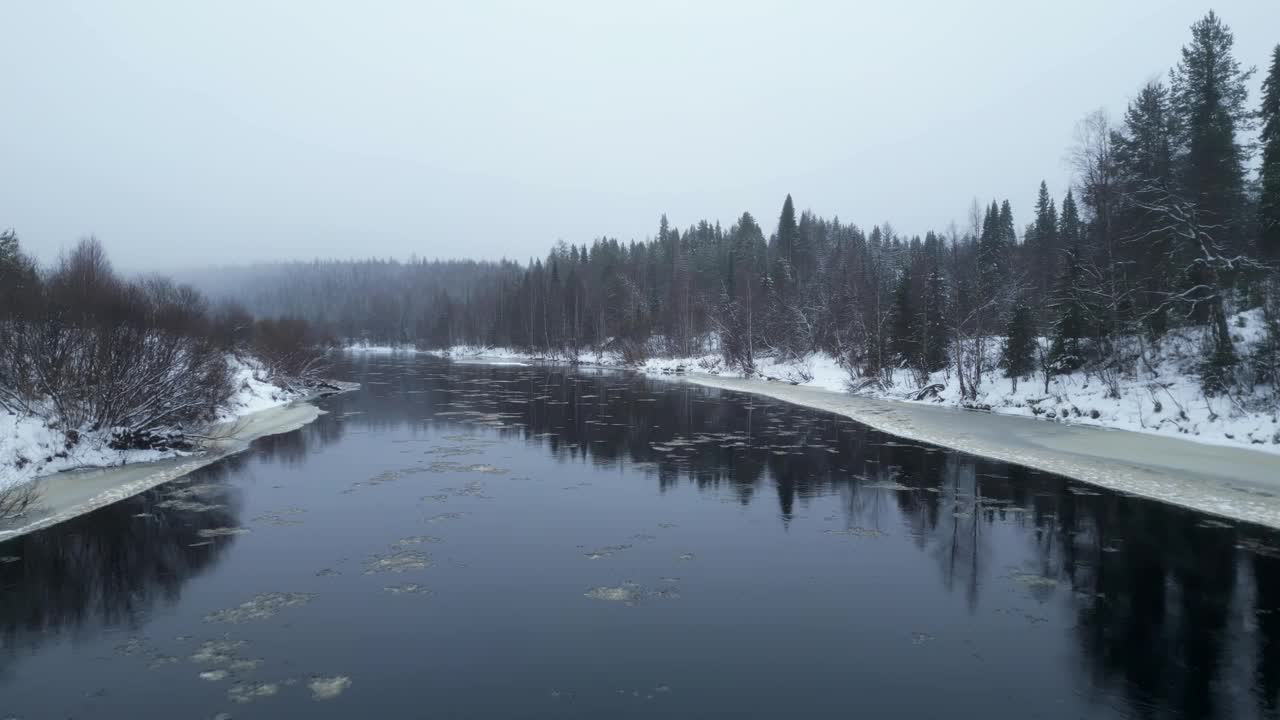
[{"x": 186, "y": 137}]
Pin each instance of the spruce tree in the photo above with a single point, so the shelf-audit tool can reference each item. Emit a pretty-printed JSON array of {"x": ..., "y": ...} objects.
[
  {"x": 1018, "y": 358},
  {"x": 1069, "y": 227},
  {"x": 1209, "y": 96},
  {"x": 905, "y": 337},
  {"x": 1069, "y": 311},
  {"x": 1144, "y": 156},
  {"x": 788, "y": 238},
  {"x": 1008, "y": 235},
  {"x": 8, "y": 250},
  {"x": 934, "y": 330},
  {"x": 993, "y": 247},
  {"x": 1269, "y": 202},
  {"x": 1042, "y": 242}
]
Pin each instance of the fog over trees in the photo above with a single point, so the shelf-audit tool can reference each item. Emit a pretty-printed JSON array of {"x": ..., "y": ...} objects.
[{"x": 1166, "y": 226}]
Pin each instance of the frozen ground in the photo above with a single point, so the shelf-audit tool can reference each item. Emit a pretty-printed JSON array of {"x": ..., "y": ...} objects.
[
  {"x": 75, "y": 492},
  {"x": 89, "y": 475},
  {"x": 1233, "y": 482},
  {"x": 30, "y": 448}
]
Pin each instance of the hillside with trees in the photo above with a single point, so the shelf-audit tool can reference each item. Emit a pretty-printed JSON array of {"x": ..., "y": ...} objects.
[
  {"x": 97, "y": 369},
  {"x": 1158, "y": 266}
]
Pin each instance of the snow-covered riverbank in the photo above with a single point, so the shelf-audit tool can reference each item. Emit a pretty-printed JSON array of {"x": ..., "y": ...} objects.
[
  {"x": 72, "y": 493},
  {"x": 87, "y": 475},
  {"x": 1215, "y": 474},
  {"x": 31, "y": 448},
  {"x": 1232, "y": 482},
  {"x": 1163, "y": 397}
]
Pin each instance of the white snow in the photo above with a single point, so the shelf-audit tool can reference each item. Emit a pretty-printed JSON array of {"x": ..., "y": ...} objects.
[
  {"x": 254, "y": 392},
  {"x": 31, "y": 448},
  {"x": 1165, "y": 397}
]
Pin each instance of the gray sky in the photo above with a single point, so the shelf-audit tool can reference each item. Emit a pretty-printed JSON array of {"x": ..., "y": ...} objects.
[{"x": 183, "y": 133}]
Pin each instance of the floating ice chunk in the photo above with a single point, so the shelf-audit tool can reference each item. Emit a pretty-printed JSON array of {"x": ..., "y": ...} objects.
[
  {"x": 407, "y": 589},
  {"x": 397, "y": 562},
  {"x": 327, "y": 688},
  {"x": 248, "y": 692},
  {"x": 260, "y": 607},
  {"x": 217, "y": 652},
  {"x": 626, "y": 592}
]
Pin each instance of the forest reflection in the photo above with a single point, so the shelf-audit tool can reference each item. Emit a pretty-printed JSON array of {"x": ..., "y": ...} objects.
[
  {"x": 115, "y": 566},
  {"x": 1176, "y": 612},
  {"x": 1172, "y": 613}
]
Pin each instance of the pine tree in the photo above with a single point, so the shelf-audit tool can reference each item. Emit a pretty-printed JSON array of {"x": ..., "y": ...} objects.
[
  {"x": 788, "y": 238},
  {"x": 905, "y": 338},
  {"x": 1018, "y": 358},
  {"x": 1269, "y": 202},
  {"x": 1144, "y": 154},
  {"x": 1008, "y": 235},
  {"x": 1069, "y": 228},
  {"x": 934, "y": 334},
  {"x": 1042, "y": 241},
  {"x": 1209, "y": 96},
  {"x": 993, "y": 245},
  {"x": 1070, "y": 314},
  {"x": 8, "y": 250}
]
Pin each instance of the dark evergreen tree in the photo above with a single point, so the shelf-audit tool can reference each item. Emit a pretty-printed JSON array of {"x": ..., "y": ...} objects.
[
  {"x": 1209, "y": 95},
  {"x": 935, "y": 335},
  {"x": 1144, "y": 156},
  {"x": 1269, "y": 173},
  {"x": 1069, "y": 227},
  {"x": 905, "y": 331},
  {"x": 788, "y": 238},
  {"x": 1019, "y": 355},
  {"x": 1070, "y": 324}
]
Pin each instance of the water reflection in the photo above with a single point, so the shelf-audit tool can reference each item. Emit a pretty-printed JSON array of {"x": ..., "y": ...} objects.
[
  {"x": 113, "y": 568},
  {"x": 1177, "y": 614},
  {"x": 1138, "y": 609}
]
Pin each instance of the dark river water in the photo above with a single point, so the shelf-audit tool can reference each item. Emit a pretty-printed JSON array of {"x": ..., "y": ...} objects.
[{"x": 467, "y": 541}]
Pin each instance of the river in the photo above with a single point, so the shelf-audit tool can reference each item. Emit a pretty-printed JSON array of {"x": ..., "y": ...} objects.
[{"x": 472, "y": 541}]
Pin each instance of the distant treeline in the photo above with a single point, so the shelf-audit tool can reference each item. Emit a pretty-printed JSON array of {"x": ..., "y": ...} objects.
[
  {"x": 385, "y": 301},
  {"x": 1164, "y": 227}
]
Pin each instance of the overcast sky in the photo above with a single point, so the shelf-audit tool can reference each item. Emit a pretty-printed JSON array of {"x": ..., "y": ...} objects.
[{"x": 183, "y": 133}]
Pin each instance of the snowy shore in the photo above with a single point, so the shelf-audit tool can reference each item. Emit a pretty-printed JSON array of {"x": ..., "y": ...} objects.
[
  {"x": 1231, "y": 477},
  {"x": 91, "y": 475},
  {"x": 1164, "y": 398}
]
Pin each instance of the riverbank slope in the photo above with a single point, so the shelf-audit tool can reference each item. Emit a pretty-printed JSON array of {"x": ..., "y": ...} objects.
[{"x": 71, "y": 493}]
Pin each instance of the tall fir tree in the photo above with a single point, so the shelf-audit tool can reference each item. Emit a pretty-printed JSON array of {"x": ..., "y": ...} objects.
[
  {"x": 934, "y": 331},
  {"x": 993, "y": 246},
  {"x": 1008, "y": 234},
  {"x": 787, "y": 239},
  {"x": 905, "y": 339},
  {"x": 1269, "y": 201},
  {"x": 1069, "y": 227},
  {"x": 1042, "y": 242},
  {"x": 1019, "y": 355},
  {"x": 1144, "y": 155},
  {"x": 1070, "y": 325},
  {"x": 1209, "y": 94}
]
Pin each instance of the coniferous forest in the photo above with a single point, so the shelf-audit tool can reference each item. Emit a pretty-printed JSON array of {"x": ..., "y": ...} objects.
[{"x": 1172, "y": 223}]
